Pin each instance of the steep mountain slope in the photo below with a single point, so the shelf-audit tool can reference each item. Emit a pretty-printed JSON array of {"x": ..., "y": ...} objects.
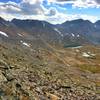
[
  {"x": 33, "y": 66},
  {"x": 70, "y": 33},
  {"x": 82, "y": 30},
  {"x": 38, "y": 29},
  {"x": 51, "y": 73},
  {"x": 29, "y": 30}
]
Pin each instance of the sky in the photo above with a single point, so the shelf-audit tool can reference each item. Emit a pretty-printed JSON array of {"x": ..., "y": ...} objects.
[{"x": 53, "y": 11}]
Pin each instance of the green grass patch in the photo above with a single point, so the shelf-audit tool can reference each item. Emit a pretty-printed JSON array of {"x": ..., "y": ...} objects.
[{"x": 91, "y": 68}]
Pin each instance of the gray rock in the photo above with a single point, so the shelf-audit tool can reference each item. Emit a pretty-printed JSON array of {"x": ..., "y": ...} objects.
[
  {"x": 3, "y": 65},
  {"x": 2, "y": 77}
]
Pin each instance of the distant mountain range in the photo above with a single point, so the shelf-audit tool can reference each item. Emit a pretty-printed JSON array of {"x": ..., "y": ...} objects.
[{"x": 69, "y": 33}]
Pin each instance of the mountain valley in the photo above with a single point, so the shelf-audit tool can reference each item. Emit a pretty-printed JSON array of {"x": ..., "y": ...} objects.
[{"x": 42, "y": 61}]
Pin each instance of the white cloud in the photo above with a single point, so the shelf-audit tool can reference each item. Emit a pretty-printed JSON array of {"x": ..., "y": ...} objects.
[
  {"x": 26, "y": 7},
  {"x": 86, "y": 4},
  {"x": 32, "y": 1},
  {"x": 30, "y": 9},
  {"x": 62, "y": 1},
  {"x": 51, "y": 12},
  {"x": 79, "y": 3},
  {"x": 58, "y": 19},
  {"x": 9, "y": 7},
  {"x": 34, "y": 9}
]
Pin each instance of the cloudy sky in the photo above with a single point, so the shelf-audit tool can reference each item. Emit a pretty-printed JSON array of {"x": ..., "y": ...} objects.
[{"x": 53, "y": 11}]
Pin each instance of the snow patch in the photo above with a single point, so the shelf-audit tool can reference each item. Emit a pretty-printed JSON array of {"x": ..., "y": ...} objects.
[
  {"x": 20, "y": 34},
  {"x": 26, "y": 44},
  {"x": 3, "y": 33},
  {"x": 91, "y": 54},
  {"x": 85, "y": 54},
  {"x": 78, "y": 35},
  {"x": 58, "y": 32},
  {"x": 44, "y": 25},
  {"x": 88, "y": 54},
  {"x": 73, "y": 35},
  {"x": 76, "y": 47}
]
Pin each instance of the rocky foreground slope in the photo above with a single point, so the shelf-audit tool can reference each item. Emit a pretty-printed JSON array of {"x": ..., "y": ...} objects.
[
  {"x": 49, "y": 72},
  {"x": 40, "y": 61}
]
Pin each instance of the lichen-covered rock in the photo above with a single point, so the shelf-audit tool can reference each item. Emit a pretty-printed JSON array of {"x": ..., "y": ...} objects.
[
  {"x": 2, "y": 77},
  {"x": 26, "y": 76}
]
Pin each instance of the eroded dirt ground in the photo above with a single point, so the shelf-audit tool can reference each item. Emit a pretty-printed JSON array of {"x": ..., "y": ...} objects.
[{"x": 49, "y": 73}]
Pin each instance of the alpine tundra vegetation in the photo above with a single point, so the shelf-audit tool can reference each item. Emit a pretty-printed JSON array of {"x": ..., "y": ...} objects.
[{"x": 49, "y": 50}]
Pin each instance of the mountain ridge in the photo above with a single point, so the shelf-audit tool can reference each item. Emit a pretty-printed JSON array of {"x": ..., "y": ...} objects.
[
  {"x": 49, "y": 22},
  {"x": 70, "y": 32},
  {"x": 49, "y": 62}
]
